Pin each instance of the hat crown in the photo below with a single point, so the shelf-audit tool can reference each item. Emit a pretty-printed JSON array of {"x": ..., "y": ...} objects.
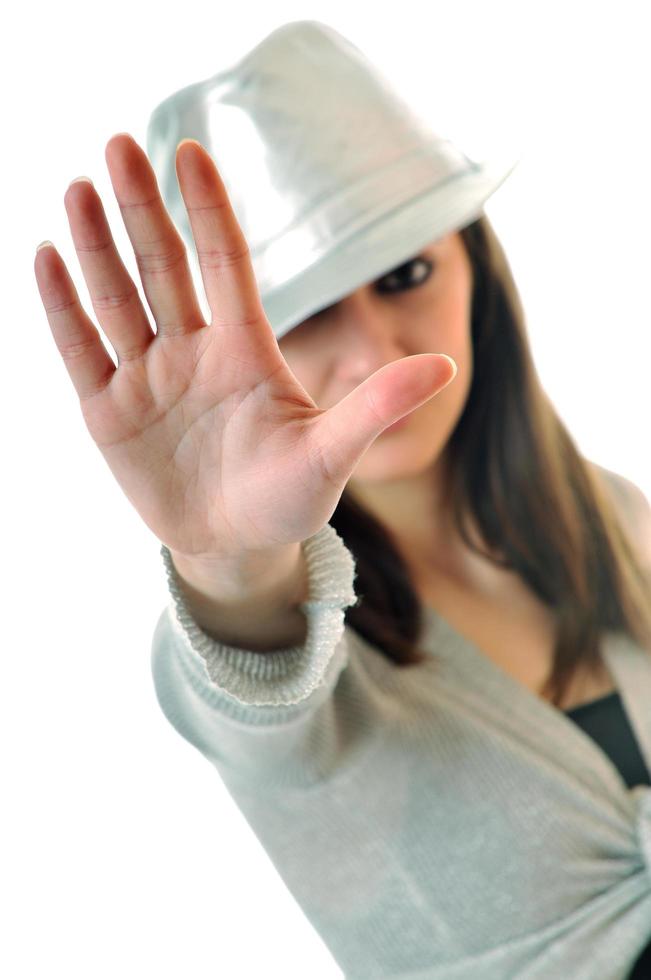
[{"x": 313, "y": 146}]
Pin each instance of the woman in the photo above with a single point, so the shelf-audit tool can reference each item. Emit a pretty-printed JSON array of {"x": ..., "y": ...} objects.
[{"x": 448, "y": 763}]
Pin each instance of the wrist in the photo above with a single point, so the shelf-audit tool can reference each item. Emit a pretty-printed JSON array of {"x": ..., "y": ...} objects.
[{"x": 275, "y": 576}]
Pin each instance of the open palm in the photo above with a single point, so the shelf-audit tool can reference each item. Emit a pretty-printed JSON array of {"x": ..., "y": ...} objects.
[{"x": 212, "y": 438}]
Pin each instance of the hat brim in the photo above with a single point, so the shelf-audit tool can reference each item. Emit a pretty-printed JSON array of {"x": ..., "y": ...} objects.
[{"x": 386, "y": 242}]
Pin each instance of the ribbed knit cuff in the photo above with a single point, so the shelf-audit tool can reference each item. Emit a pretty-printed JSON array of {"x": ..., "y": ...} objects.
[{"x": 276, "y": 677}]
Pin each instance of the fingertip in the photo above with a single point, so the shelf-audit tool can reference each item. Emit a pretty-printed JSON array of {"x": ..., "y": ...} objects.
[
  {"x": 115, "y": 139},
  {"x": 187, "y": 139},
  {"x": 116, "y": 135},
  {"x": 452, "y": 362},
  {"x": 42, "y": 268}
]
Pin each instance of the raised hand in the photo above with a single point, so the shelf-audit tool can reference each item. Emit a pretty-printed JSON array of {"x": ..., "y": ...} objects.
[{"x": 212, "y": 438}]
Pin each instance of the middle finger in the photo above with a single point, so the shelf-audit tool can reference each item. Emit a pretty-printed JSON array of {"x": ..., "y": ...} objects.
[{"x": 160, "y": 251}]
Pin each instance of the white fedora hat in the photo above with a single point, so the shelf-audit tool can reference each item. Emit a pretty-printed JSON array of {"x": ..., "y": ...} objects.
[{"x": 333, "y": 178}]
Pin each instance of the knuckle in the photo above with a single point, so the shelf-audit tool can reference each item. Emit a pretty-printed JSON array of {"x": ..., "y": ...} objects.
[
  {"x": 326, "y": 463},
  {"x": 323, "y": 453},
  {"x": 71, "y": 350},
  {"x": 114, "y": 301},
  {"x": 223, "y": 258},
  {"x": 168, "y": 329},
  {"x": 160, "y": 262},
  {"x": 134, "y": 205},
  {"x": 96, "y": 390},
  {"x": 247, "y": 320},
  {"x": 223, "y": 204},
  {"x": 84, "y": 247},
  {"x": 370, "y": 401},
  {"x": 127, "y": 354},
  {"x": 53, "y": 309}
]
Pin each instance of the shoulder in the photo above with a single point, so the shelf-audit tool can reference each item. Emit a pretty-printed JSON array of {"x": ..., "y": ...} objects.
[{"x": 632, "y": 506}]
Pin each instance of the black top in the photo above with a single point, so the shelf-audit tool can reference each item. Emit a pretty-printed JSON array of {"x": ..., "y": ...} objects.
[{"x": 606, "y": 721}]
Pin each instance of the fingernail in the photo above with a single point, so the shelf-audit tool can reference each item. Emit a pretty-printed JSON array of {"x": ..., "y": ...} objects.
[
  {"x": 187, "y": 140},
  {"x": 452, "y": 362},
  {"x": 43, "y": 245},
  {"x": 77, "y": 179}
]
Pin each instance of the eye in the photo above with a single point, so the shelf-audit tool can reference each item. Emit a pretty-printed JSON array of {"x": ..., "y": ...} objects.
[{"x": 407, "y": 276}]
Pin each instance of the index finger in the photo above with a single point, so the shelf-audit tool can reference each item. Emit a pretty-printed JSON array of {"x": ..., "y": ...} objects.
[{"x": 223, "y": 252}]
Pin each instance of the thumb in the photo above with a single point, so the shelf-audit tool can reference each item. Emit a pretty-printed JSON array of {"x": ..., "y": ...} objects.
[{"x": 345, "y": 431}]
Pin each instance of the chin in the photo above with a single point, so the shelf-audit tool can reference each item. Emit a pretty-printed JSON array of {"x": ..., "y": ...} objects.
[{"x": 399, "y": 456}]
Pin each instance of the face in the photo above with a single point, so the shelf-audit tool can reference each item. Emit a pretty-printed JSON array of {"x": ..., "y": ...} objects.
[{"x": 422, "y": 306}]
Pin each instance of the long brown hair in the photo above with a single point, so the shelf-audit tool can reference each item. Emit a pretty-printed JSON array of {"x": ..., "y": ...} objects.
[{"x": 538, "y": 503}]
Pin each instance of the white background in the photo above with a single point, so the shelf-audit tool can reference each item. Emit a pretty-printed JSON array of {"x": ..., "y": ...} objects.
[{"x": 123, "y": 855}]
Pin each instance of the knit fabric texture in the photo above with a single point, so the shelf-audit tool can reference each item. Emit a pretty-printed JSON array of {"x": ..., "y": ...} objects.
[{"x": 434, "y": 822}]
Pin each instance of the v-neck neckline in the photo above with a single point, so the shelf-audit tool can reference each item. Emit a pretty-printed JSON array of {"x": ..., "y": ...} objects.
[
  {"x": 623, "y": 657},
  {"x": 594, "y": 703}
]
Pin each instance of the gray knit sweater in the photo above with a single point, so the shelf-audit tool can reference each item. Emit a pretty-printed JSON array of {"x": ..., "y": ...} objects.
[{"x": 436, "y": 822}]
